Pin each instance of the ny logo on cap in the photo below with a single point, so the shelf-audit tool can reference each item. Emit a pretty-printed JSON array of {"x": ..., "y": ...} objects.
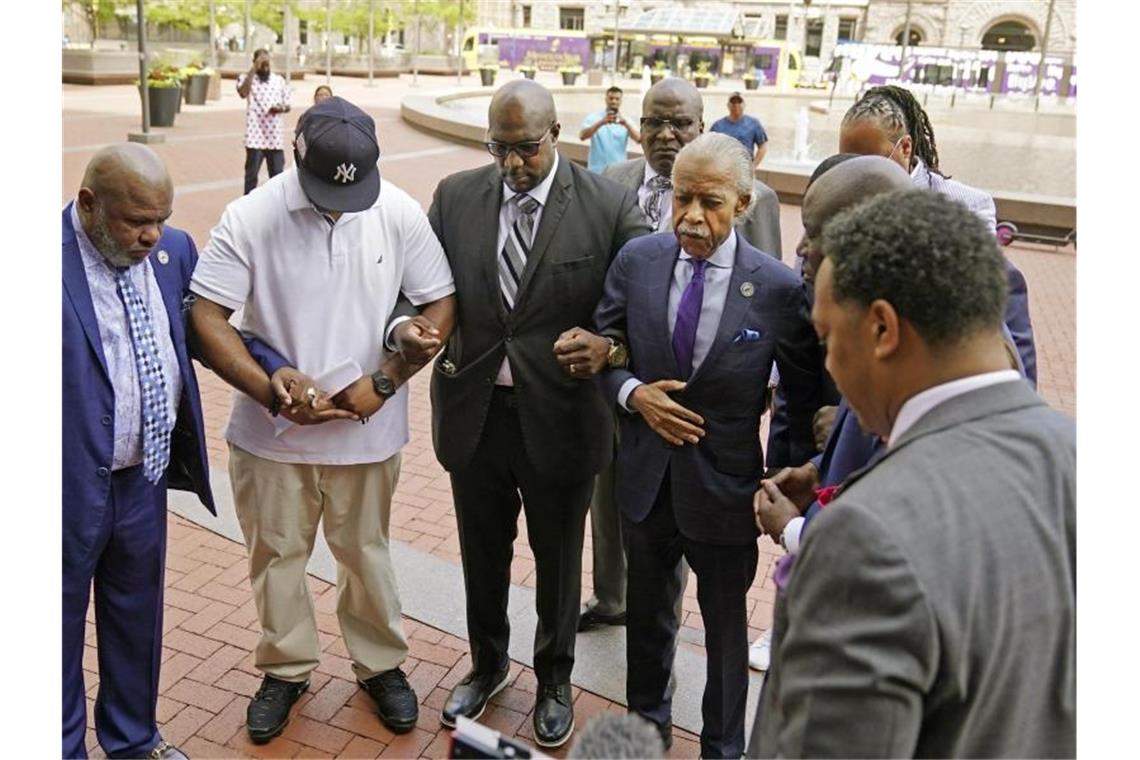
[{"x": 345, "y": 174}]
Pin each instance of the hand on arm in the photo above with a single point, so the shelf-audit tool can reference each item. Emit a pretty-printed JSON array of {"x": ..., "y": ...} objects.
[
  {"x": 675, "y": 423},
  {"x": 420, "y": 338},
  {"x": 223, "y": 351}
]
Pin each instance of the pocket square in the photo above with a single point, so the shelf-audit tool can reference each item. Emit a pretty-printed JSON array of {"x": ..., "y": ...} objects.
[{"x": 747, "y": 336}]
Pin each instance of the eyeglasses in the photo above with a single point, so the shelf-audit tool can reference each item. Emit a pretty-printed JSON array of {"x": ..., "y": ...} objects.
[
  {"x": 525, "y": 149},
  {"x": 655, "y": 124}
]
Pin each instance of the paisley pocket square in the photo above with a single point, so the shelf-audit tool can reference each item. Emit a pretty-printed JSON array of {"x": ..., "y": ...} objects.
[{"x": 747, "y": 336}]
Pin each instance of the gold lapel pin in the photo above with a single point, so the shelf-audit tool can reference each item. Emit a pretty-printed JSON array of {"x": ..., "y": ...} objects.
[
  {"x": 163, "y": 257},
  {"x": 747, "y": 289}
]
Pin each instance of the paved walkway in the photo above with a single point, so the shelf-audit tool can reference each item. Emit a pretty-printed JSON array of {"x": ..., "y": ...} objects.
[{"x": 210, "y": 621}]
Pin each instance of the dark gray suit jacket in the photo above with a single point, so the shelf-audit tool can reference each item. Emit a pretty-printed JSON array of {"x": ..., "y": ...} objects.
[
  {"x": 931, "y": 611},
  {"x": 567, "y": 427},
  {"x": 760, "y": 226},
  {"x": 766, "y": 321}
]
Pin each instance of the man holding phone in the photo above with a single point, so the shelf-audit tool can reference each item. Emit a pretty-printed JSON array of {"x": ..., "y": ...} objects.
[
  {"x": 266, "y": 98},
  {"x": 608, "y": 132}
]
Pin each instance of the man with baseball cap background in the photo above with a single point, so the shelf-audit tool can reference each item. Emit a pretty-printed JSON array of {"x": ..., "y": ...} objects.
[
  {"x": 316, "y": 260},
  {"x": 748, "y": 130}
]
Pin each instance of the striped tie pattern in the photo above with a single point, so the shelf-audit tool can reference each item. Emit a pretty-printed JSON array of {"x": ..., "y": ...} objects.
[
  {"x": 512, "y": 261},
  {"x": 152, "y": 381}
]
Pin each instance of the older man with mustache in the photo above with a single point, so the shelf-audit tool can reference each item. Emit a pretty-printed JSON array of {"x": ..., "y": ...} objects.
[{"x": 690, "y": 455}]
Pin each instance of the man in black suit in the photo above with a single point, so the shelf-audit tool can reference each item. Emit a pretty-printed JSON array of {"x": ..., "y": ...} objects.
[
  {"x": 705, "y": 314},
  {"x": 529, "y": 240}
]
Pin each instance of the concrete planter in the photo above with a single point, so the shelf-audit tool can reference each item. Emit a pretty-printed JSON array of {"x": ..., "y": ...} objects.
[
  {"x": 569, "y": 77},
  {"x": 751, "y": 84},
  {"x": 163, "y": 105},
  {"x": 487, "y": 76},
  {"x": 528, "y": 73},
  {"x": 196, "y": 89}
]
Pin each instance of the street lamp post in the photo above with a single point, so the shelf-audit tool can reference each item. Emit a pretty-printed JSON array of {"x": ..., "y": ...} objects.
[
  {"x": 371, "y": 37},
  {"x": 246, "y": 27},
  {"x": 459, "y": 46},
  {"x": 146, "y": 136},
  {"x": 328, "y": 42},
  {"x": 213, "y": 21},
  {"x": 416, "y": 58},
  {"x": 286, "y": 22},
  {"x": 905, "y": 40},
  {"x": 617, "y": 38},
  {"x": 1044, "y": 52}
]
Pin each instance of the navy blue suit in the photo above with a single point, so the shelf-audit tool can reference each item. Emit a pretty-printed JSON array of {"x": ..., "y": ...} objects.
[
  {"x": 114, "y": 523},
  {"x": 696, "y": 500}
]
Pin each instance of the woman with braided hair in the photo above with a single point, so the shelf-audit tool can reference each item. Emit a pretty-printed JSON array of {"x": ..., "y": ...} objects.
[{"x": 888, "y": 121}]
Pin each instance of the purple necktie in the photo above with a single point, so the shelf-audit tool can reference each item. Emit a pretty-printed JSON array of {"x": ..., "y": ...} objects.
[{"x": 688, "y": 314}]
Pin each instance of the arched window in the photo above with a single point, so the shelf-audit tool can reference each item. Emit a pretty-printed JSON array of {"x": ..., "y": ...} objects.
[
  {"x": 1009, "y": 35},
  {"x": 916, "y": 35}
]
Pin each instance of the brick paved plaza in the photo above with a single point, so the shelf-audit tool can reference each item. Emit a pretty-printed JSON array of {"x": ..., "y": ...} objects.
[{"x": 211, "y": 625}]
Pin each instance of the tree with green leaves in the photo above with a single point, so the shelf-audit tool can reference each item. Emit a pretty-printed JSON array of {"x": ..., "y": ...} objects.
[{"x": 96, "y": 13}]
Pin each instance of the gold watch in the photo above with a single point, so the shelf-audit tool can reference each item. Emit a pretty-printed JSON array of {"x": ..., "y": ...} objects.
[{"x": 618, "y": 356}]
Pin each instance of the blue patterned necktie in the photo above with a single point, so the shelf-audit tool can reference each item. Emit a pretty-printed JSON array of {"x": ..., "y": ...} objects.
[
  {"x": 688, "y": 316},
  {"x": 658, "y": 186},
  {"x": 152, "y": 381}
]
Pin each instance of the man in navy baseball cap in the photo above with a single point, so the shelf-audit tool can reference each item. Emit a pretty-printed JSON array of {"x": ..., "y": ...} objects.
[{"x": 336, "y": 152}]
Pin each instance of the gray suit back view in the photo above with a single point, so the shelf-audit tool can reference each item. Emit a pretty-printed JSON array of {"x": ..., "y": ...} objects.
[{"x": 931, "y": 611}]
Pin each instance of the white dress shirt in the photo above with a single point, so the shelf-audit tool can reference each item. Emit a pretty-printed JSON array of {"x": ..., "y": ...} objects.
[
  {"x": 508, "y": 212},
  {"x": 321, "y": 295},
  {"x": 718, "y": 274},
  {"x": 118, "y": 349},
  {"x": 665, "y": 222}
]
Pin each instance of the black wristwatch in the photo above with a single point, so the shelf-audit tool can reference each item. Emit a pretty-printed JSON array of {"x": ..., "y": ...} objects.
[{"x": 383, "y": 384}]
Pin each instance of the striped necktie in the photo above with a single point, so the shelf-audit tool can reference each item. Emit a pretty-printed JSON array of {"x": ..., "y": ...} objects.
[
  {"x": 516, "y": 249},
  {"x": 152, "y": 380}
]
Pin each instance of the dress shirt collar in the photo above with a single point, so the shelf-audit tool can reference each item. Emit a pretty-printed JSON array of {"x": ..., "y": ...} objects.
[
  {"x": 921, "y": 175},
  {"x": 92, "y": 258},
  {"x": 648, "y": 175},
  {"x": 541, "y": 191},
  {"x": 919, "y": 404},
  {"x": 725, "y": 254}
]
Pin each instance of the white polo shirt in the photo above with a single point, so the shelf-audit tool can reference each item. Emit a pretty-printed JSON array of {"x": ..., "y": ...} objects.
[{"x": 320, "y": 294}]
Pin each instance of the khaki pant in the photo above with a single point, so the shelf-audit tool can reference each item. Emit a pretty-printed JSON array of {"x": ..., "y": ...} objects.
[{"x": 279, "y": 506}]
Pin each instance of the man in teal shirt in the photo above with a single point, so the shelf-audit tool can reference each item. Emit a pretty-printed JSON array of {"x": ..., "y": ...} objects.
[{"x": 608, "y": 132}]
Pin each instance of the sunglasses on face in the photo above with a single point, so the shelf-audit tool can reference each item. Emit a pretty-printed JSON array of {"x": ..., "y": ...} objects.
[
  {"x": 655, "y": 124},
  {"x": 524, "y": 149}
]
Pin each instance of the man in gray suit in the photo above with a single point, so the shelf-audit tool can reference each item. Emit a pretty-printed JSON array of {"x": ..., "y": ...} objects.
[
  {"x": 672, "y": 115},
  {"x": 530, "y": 238},
  {"x": 706, "y": 315},
  {"x": 931, "y": 610}
]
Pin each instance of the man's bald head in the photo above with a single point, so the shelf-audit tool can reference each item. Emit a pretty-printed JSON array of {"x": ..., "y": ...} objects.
[
  {"x": 124, "y": 202},
  {"x": 672, "y": 116},
  {"x": 522, "y": 118},
  {"x": 526, "y": 97},
  {"x": 846, "y": 184}
]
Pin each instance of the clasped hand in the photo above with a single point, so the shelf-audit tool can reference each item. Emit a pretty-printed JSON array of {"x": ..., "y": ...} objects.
[
  {"x": 580, "y": 353},
  {"x": 303, "y": 402}
]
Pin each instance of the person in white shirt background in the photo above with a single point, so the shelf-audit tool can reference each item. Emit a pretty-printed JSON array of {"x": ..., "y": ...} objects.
[{"x": 266, "y": 98}]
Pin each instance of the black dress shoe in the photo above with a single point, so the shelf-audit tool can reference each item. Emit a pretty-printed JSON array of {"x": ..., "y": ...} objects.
[
  {"x": 268, "y": 713},
  {"x": 395, "y": 700},
  {"x": 553, "y": 715},
  {"x": 591, "y": 619},
  {"x": 469, "y": 697},
  {"x": 166, "y": 751}
]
